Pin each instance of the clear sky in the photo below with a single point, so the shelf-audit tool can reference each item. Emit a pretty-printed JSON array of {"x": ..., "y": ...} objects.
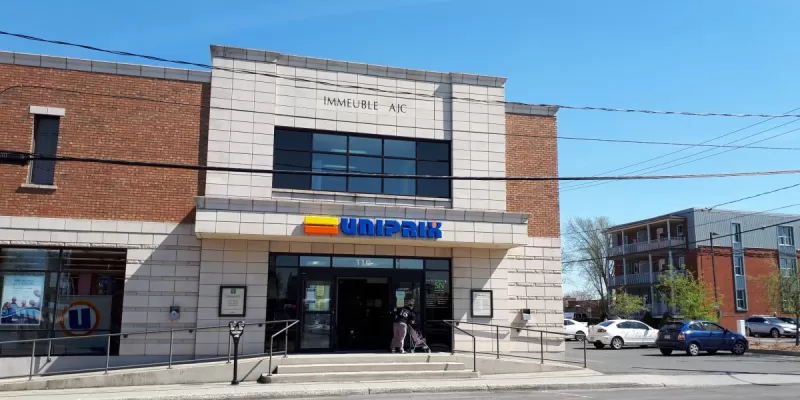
[{"x": 720, "y": 56}]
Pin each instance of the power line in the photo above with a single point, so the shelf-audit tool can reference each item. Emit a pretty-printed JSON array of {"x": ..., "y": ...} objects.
[
  {"x": 700, "y": 152},
  {"x": 15, "y": 157},
  {"x": 357, "y": 87},
  {"x": 208, "y": 106},
  {"x": 756, "y": 195},
  {"x": 681, "y": 150},
  {"x": 683, "y": 246}
]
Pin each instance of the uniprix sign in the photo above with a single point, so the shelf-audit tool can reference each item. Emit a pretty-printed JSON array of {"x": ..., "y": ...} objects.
[{"x": 314, "y": 225}]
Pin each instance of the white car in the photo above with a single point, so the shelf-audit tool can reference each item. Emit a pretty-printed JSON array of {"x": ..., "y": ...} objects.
[
  {"x": 576, "y": 330},
  {"x": 618, "y": 333}
]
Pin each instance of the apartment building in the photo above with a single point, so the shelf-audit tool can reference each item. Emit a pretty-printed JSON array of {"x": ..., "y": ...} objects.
[
  {"x": 747, "y": 247},
  {"x": 95, "y": 249}
]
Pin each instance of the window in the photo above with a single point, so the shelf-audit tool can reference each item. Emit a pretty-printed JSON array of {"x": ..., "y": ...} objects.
[
  {"x": 712, "y": 327},
  {"x": 568, "y": 322},
  {"x": 695, "y": 327},
  {"x": 638, "y": 325},
  {"x": 45, "y": 143},
  {"x": 680, "y": 230},
  {"x": 785, "y": 236},
  {"x": 681, "y": 262},
  {"x": 737, "y": 232},
  {"x": 297, "y": 150}
]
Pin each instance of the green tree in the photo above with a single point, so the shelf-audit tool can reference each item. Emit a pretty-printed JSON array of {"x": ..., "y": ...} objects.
[
  {"x": 783, "y": 293},
  {"x": 625, "y": 305},
  {"x": 687, "y": 295}
]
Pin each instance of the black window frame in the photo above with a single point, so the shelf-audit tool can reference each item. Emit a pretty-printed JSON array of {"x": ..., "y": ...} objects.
[
  {"x": 43, "y": 172},
  {"x": 308, "y": 183}
]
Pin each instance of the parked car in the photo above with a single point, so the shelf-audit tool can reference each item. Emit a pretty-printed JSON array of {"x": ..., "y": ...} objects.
[
  {"x": 576, "y": 329},
  {"x": 769, "y": 326},
  {"x": 618, "y": 333},
  {"x": 696, "y": 336}
]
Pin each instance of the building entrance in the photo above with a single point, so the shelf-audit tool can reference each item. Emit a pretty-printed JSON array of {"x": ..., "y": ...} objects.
[{"x": 346, "y": 303}]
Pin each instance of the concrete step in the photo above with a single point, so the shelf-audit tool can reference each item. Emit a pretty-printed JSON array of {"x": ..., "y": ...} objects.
[
  {"x": 305, "y": 359},
  {"x": 407, "y": 376},
  {"x": 371, "y": 367}
]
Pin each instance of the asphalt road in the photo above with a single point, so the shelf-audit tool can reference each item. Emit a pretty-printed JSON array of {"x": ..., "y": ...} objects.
[
  {"x": 650, "y": 361},
  {"x": 746, "y": 392}
]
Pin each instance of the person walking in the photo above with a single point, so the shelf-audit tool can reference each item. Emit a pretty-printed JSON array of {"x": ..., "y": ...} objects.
[{"x": 404, "y": 316}]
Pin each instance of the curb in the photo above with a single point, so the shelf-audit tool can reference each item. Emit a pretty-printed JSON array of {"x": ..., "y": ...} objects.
[
  {"x": 775, "y": 352},
  {"x": 365, "y": 391}
]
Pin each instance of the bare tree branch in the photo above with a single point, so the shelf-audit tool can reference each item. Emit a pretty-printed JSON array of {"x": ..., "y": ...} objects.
[{"x": 585, "y": 252}]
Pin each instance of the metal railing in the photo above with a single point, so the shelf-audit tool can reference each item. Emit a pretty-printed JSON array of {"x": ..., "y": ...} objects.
[
  {"x": 169, "y": 363},
  {"x": 285, "y": 332},
  {"x": 649, "y": 245},
  {"x": 497, "y": 327}
]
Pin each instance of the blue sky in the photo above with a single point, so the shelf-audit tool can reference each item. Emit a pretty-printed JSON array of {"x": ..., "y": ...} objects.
[{"x": 719, "y": 56}]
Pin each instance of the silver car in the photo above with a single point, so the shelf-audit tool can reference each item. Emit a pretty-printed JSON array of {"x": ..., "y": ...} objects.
[{"x": 769, "y": 326}]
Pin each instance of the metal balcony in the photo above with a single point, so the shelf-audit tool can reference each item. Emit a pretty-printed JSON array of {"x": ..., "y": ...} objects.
[{"x": 643, "y": 247}]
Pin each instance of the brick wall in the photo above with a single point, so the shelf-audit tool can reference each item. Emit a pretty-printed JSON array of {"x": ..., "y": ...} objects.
[
  {"x": 758, "y": 264},
  {"x": 533, "y": 156},
  {"x": 102, "y": 126}
]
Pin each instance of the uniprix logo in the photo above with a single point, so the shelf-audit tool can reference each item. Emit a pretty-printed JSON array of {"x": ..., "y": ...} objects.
[{"x": 314, "y": 225}]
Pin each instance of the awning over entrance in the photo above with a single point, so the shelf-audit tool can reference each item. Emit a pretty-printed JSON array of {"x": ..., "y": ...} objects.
[{"x": 379, "y": 225}]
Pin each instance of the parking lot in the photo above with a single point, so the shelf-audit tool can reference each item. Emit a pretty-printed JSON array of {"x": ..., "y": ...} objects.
[{"x": 636, "y": 360}]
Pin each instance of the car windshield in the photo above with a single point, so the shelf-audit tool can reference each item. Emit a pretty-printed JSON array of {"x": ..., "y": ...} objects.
[
  {"x": 773, "y": 320},
  {"x": 606, "y": 323}
]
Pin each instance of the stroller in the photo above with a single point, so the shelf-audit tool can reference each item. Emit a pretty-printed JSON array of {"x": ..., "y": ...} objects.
[{"x": 417, "y": 342}]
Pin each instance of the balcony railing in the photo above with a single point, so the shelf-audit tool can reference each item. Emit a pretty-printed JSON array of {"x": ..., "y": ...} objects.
[
  {"x": 641, "y": 278},
  {"x": 641, "y": 247}
]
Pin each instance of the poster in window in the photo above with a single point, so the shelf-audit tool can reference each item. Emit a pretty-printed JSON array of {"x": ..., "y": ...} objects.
[
  {"x": 482, "y": 304},
  {"x": 232, "y": 301},
  {"x": 22, "y": 300}
]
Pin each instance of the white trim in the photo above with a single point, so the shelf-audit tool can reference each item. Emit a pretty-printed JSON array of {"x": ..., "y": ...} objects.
[{"x": 54, "y": 111}]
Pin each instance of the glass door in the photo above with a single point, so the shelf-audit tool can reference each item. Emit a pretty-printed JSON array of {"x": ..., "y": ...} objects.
[{"x": 317, "y": 318}]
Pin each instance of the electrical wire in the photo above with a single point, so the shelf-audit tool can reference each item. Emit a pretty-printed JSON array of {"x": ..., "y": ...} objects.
[
  {"x": 667, "y": 166},
  {"x": 685, "y": 245},
  {"x": 384, "y": 91},
  {"x": 681, "y": 150},
  {"x": 206, "y": 106},
  {"x": 23, "y": 157}
]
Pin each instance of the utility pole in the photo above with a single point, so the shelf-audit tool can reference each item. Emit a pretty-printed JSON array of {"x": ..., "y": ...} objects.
[{"x": 714, "y": 273}]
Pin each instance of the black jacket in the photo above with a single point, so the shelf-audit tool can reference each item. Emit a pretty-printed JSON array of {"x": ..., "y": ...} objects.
[{"x": 404, "y": 314}]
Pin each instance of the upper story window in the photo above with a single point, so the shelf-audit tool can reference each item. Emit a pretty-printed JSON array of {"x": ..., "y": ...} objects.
[
  {"x": 737, "y": 232},
  {"x": 45, "y": 142},
  {"x": 785, "y": 236},
  {"x": 299, "y": 150}
]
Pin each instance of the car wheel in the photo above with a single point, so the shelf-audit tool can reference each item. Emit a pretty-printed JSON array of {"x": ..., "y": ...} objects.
[
  {"x": 617, "y": 343},
  {"x": 693, "y": 349},
  {"x": 580, "y": 336},
  {"x": 666, "y": 352},
  {"x": 599, "y": 345},
  {"x": 712, "y": 352},
  {"x": 749, "y": 332},
  {"x": 774, "y": 333},
  {"x": 738, "y": 348}
]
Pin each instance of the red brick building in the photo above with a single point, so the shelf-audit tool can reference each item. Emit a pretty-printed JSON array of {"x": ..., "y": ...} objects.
[{"x": 747, "y": 247}]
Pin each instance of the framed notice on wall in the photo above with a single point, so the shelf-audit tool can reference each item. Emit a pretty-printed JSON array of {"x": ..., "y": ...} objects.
[
  {"x": 482, "y": 303},
  {"x": 232, "y": 301}
]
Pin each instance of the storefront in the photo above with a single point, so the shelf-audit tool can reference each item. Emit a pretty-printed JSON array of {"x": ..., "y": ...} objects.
[{"x": 344, "y": 302}]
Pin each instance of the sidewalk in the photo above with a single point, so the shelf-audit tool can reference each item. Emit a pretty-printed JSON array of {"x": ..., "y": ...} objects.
[{"x": 581, "y": 379}]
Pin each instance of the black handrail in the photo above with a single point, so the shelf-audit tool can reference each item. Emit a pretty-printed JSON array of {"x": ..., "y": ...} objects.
[{"x": 474, "y": 347}]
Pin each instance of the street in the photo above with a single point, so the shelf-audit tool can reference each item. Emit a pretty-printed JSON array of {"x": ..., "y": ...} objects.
[
  {"x": 748, "y": 392},
  {"x": 636, "y": 360}
]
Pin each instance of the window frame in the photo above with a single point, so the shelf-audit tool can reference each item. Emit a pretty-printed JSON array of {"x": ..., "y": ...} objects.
[
  {"x": 37, "y": 119},
  {"x": 382, "y": 158},
  {"x": 788, "y": 234}
]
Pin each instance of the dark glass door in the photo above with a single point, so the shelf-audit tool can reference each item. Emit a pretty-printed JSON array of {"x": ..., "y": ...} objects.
[{"x": 317, "y": 319}]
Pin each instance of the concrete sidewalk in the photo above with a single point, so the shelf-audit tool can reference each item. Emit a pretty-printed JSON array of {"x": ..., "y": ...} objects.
[{"x": 580, "y": 379}]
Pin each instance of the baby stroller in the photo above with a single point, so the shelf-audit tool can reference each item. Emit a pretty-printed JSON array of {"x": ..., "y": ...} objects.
[{"x": 417, "y": 342}]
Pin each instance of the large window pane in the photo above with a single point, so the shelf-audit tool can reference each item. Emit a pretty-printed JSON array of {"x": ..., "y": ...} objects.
[
  {"x": 433, "y": 151},
  {"x": 45, "y": 142},
  {"x": 433, "y": 187},
  {"x": 363, "y": 262},
  {"x": 367, "y": 165},
  {"x": 315, "y": 261},
  {"x": 329, "y": 163},
  {"x": 292, "y": 161},
  {"x": 330, "y": 143},
  {"x": 410, "y": 263},
  {"x": 282, "y": 293},
  {"x": 365, "y": 146},
  {"x": 399, "y": 186},
  {"x": 399, "y": 148},
  {"x": 292, "y": 140}
]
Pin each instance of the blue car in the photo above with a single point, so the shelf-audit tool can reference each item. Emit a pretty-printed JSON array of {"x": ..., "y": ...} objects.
[{"x": 696, "y": 336}]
